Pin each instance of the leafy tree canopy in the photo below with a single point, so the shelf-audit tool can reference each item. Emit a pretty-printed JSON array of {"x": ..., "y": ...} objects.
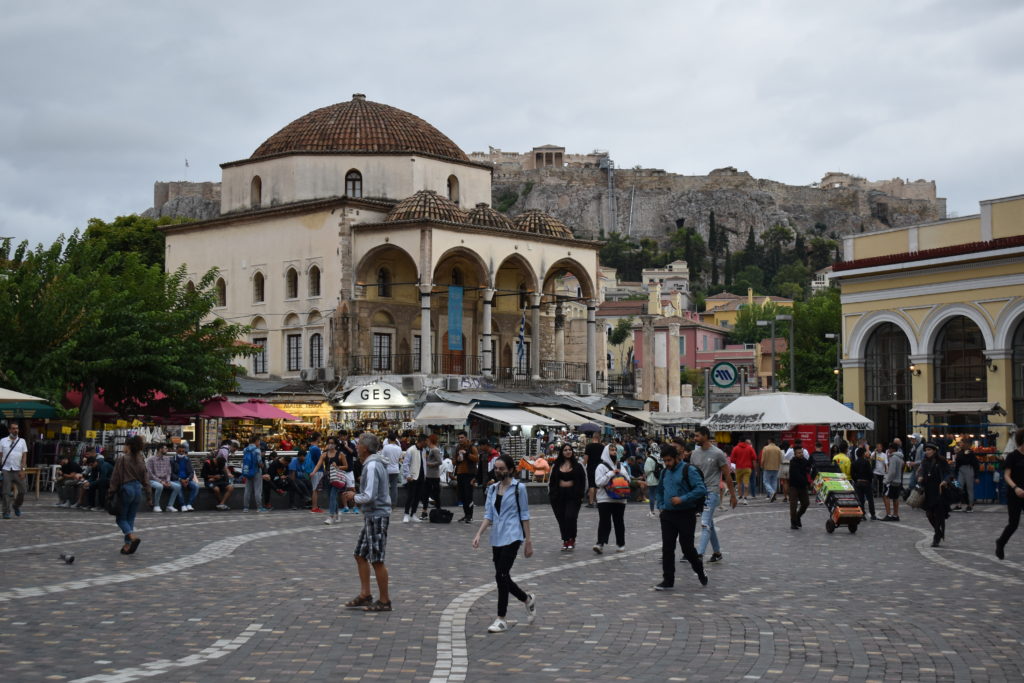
[
  {"x": 815, "y": 355},
  {"x": 134, "y": 234}
]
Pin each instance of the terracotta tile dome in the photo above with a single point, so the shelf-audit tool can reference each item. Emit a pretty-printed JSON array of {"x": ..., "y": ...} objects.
[
  {"x": 427, "y": 205},
  {"x": 540, "y": 223},
  {"x": 481, "y": 214},
  {"x": 360, "y": 126}
]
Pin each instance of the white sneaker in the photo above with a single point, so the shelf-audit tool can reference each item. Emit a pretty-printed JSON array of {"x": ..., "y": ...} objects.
[
  {"x": 157, "y": 508},
  {"x": 531, "y": 607},
  {"x": 329, "y": 520},
  {"x": 599, "y": 548},
  {"x": 744, "y": 501},
  {"x": 652, "y": 514},
  {"x": 188, "y": 508},
  {"x": 172, "y": 509},
  {"x": 499, "y": 626},
  {"x": 405, "y": 519},
  {"x": 620, "y": 548}
]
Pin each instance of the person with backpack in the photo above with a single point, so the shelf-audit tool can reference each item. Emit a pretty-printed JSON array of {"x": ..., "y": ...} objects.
[
  {"x": 612, "y": 483},
  {"x": 252, "y": 474},
  {"x": 506, "y": 509},
  {"x": 681, "y": 494},
  {"x": 653, "y": 468}
]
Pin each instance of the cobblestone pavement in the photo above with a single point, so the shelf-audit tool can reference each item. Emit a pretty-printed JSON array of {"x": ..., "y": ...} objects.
[{"x": 226, "y": 596}]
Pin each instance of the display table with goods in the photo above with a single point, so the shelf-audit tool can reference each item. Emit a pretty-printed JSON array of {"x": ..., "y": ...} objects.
[{"x": 840, "y": 500}]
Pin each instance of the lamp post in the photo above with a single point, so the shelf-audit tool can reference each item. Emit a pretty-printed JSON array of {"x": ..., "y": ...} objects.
[
  {"x": 782, "y": 317},
  {"x": 766, "y": 323},
  {"x": 836, "y": 370}
]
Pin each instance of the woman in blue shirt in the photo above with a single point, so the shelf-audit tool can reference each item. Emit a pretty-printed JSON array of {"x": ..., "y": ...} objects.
[{"x": 506, "y": 510}]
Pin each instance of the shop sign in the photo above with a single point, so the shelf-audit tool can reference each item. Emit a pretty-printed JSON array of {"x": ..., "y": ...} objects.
[
  {"x": 122, "y": 424},
  {"x": 375, "y": 395},
  {"x": 724, "y": 375},
  {"x": 90, "y": 434},
  {"x": 65, "y": 430}
]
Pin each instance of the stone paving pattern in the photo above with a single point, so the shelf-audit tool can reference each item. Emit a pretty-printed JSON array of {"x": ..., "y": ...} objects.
[{"x": 219, "y": 596}]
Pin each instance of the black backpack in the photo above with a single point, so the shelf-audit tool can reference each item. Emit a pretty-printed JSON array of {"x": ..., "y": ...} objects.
[
  {"x": 441, "y": 516},
  {"x": 658, "y": 467}
]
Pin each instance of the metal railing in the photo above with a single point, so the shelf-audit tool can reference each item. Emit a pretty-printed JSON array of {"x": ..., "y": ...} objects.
[
  {"x": 409, "y": 363},
  {"x": 563, "y": 370},
  {"x": 519, "y": 376}
]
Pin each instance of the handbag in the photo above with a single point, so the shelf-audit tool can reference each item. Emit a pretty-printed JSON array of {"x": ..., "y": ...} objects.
[
  {"x": 337, "y": 478},
  {"x": 916, "y": 497},
  {"x": 114, "y": 502}
]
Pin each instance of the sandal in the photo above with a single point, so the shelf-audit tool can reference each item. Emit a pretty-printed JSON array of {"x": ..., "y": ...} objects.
[
  {"x": 125, "y": 549},
  {"x": 360, "y": 601},
  {"x": 378, "y": 606},
  {"x": 134, "y": 545}
]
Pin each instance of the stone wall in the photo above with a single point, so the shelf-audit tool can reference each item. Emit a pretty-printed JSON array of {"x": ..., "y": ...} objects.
[{"x": 185, "y": 200}]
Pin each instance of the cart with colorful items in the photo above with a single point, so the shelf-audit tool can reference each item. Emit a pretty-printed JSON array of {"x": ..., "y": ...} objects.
[{"x": 837, "y": 493}]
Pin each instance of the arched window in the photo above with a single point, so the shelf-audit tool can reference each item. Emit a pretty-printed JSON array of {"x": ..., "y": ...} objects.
[
  {"x": 258, "y": 288},
  {"x": 316, "y": 350},
  {"x": 354, "y": 184},
  {"x": 453, "y": 189},
  {"x": 222, "y": 292},
  {"x": 384, "y": 283},
  {"x": 887, "y": 391},
  {"x": 291, "y": 284},
  {"x": 256, "y": 192},
  {"x": 314, "y": 281},
  {"x": 190, "y": 287},
  {"x": 960, "y": 362}
]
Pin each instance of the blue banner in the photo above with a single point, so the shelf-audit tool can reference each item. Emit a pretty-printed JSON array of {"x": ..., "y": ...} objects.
[{"x": 454, "y": 318}]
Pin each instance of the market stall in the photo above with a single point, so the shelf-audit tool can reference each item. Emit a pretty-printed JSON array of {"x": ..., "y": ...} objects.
[
  {"x": 377, "y": 407},
  {"x": 514, "y": 428},
  {"x": 781, "y": 411}
]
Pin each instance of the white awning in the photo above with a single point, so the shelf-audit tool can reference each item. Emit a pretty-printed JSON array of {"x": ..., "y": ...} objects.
[
  {"x": 561, "y": 414},
  {"x": 779, "y": 411},
  {"x": 642, "y": 415},
  {"x": 963, "y": 408},
  {"x": 515, "y": 417},
  {"x": 694, "y": 418},
  {"x": 443, "y": 414},
  {"x": 604, "y": 419}
]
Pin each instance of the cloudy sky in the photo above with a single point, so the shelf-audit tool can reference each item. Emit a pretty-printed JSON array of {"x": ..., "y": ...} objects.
[{"x": 102, "y": 98}]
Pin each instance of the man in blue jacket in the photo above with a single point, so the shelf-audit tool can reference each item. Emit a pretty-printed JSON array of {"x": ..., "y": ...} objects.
[{"x": 682, "y": 495}]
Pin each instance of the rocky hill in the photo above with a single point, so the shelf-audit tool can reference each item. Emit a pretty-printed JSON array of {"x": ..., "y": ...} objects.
[{"x": 653, "y": 203}]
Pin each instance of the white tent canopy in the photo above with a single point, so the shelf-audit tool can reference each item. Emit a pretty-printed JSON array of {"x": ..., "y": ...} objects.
[
  {"x": 604, "y": 419},
  {"x": 963, "y": 408},
  {"x": 444, "y": 414},
  {"x": 515, "y": 417},
  {"x": 774, "y": 412},
  {"x": 8, "y": 396},
  {"x": 564, "y": 416}
]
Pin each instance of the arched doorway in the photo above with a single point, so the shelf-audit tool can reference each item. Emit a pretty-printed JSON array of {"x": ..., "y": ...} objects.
[{"x": 887, "y": 384}]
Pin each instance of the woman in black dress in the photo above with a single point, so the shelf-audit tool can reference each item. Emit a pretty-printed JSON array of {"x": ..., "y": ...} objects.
[
  {"x": 566, "y": 488},
  {"x": 934, "y": 476}
]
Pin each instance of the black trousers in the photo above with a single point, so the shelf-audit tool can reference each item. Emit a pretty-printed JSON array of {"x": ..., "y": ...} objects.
[
  {"x": 431, "y": 489},
  {"x": 1013, "y": 508},
  {"x": 566, "y": 507},
  {"x": 504, "y": 558},
  {"x": 607, "y": 515},
  {"x": 864, "y": 497},
  {"x": 464, "y": 482},
  {"x": 677, "y": 526},
  {"x": 274, "y": 484},
  {"x": 301, "y": 488},
  {"x": 412, "y": 499},
  {"x": 937, "y": 514},
  {"x": 797, "y": 495}
]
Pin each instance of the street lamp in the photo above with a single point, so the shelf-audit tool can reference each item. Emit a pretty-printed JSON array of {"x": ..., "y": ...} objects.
[
  {"x": 835, "y": 371},
  {"x": 766, "y": 323},
  {"x": 782, "y": 317}
]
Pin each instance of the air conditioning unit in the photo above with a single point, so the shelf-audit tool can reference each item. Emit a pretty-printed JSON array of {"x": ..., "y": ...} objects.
[
  {"x": 325, "y": 374},
  {"x": 412, "y": 384},
  {"x": 451, "y": 383},
  {"x": 583, "y": 388},
  {"x": 308, "y": 375}
]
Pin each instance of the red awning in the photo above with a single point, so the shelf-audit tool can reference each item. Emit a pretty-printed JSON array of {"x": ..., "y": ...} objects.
[{"x": 262, "y": 410}]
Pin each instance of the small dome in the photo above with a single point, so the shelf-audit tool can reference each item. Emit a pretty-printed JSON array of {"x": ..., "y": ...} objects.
[
  {"x": 481, "y": 214},
  {"x": 427, "y": 205},
  {"x": 362, "y": 127},
  {"x": 540, "y": 223}
]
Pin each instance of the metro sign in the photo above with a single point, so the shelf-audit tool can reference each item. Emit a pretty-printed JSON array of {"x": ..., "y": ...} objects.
[{"x": 724, "y": 375}]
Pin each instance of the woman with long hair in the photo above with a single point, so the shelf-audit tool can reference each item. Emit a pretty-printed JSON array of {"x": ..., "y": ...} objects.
[
  {"x": 130, "y": 480},
  {"x": 566, "y": 488},
  {"x": 507, "y": 513},
  {"x": 934, "y": 476}
]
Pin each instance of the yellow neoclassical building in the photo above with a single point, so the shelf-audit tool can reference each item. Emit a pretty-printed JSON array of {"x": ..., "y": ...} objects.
[{"x": 933, "y": 322}]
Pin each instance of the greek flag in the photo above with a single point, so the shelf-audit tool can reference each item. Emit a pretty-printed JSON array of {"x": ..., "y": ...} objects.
[{"x": 521, "y": 350}]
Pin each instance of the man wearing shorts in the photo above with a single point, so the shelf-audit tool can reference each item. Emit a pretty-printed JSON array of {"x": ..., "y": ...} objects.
[
  {"x": 216, "y": 478},
  {"x": 893, "y": 481},
  {"x": 743, "y": 456},
  {"x": 374, "y": 498}
]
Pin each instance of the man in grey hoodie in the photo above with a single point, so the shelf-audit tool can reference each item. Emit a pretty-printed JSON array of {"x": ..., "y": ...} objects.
[{"x": 375, "y": 500}]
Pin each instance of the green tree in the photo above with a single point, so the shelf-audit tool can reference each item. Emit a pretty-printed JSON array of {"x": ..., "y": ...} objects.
[
  {"x": 815, "y": 355},
  {"x": 622, "y": 331},
  {"x": 750, "y": 250},
  {"x": 751, "y": 277},
  {"x": 134, "y": 234},
  {"x": 746, "y": 330},
  {"x": 727, "y": 277},
  {"x": 791, "y": 280},
  {"x": 774, "y": 242},
  {"x": 819, "y": 254},
  {"x": 79, "y": 315},
  {"x": 714, "y": 246}
]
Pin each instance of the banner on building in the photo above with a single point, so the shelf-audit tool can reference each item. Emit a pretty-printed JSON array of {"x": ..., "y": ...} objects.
[{"x": 454, "y": 318}]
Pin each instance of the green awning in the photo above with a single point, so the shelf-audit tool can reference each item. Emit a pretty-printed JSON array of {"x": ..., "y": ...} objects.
[{"x": 20, "y": 409}]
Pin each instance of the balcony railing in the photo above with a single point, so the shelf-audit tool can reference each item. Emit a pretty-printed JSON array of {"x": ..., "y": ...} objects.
[
  {"x": 562, "y": 370},
  {"x": 513, "y": 377},
  {"x": 409, "y": 363}
]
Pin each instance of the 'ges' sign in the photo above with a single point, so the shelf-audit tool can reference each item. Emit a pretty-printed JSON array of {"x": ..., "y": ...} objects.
[{"x": 375, "y": 394}]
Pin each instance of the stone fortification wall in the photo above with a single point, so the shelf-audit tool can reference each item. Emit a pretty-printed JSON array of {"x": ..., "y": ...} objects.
[
  {"x": 184, "y": 199},
  {"x": 653, "y": 203}
]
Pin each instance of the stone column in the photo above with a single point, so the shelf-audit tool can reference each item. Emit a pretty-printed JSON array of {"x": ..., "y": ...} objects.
[
  {"x": 559, "y": 333},
  {"x": 922, "y": 385},
  {"x": 535, "y": 335},
  {"x": 487, "y": 358},
  {"x": 1000, "y": 384},
  {"x": 592, "y": 343},
  {"x": 426, "y": 345},
  {"x": 672, "y": 370}
]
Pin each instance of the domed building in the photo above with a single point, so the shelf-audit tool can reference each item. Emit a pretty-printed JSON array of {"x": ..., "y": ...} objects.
[{"x": 359, "y": 241}]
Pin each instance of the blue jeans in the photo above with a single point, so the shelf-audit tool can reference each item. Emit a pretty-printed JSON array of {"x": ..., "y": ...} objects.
[
  {"x": 771, "y": 482},
  {"x": 131, "y": 497},
  {"x": 158, "y": 490},
  {"x": 653, "y": 494},
  {"x": 332, "y": 500},
  {"x": 707, "y": 525},
  {"x": 187, "y": 495}
]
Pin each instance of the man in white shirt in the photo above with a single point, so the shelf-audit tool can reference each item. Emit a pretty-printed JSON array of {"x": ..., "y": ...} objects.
[{"x": 12, "y": 465}]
